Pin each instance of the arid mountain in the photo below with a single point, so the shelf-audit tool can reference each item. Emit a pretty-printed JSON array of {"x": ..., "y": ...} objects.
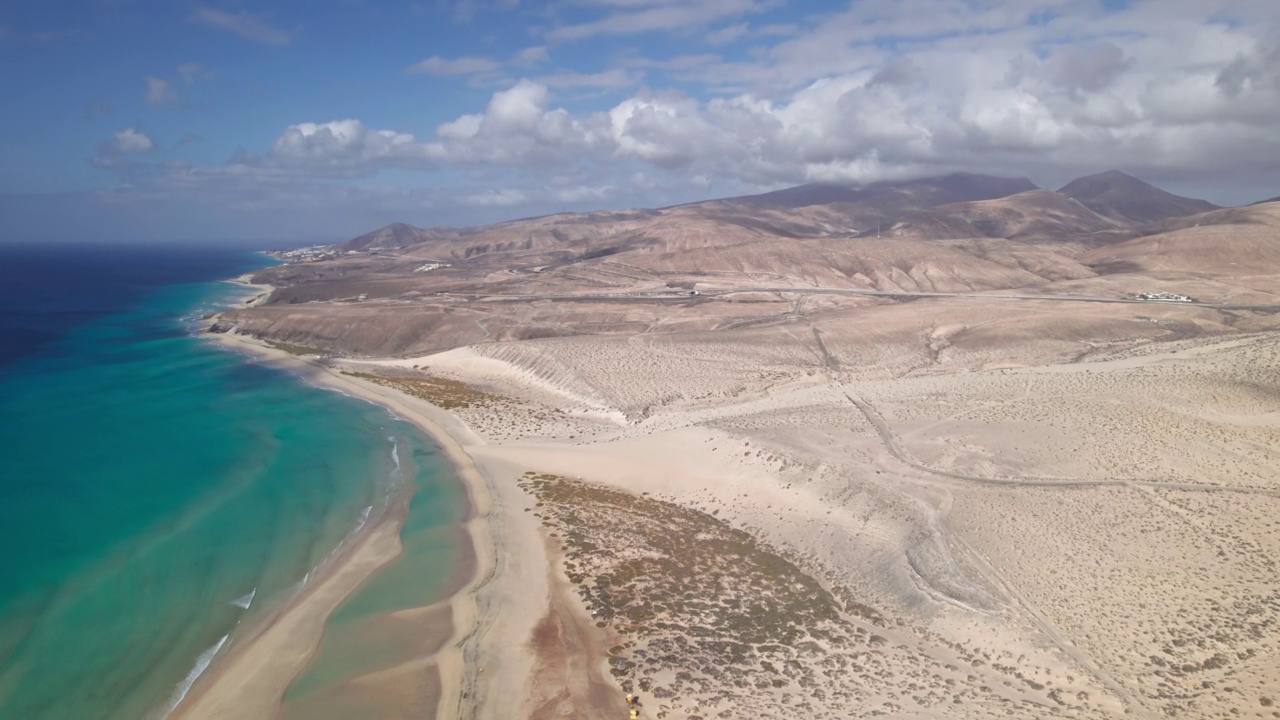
[
  {"x": 957, "y": 187},
  {"x": 1241, "y": 241},
  {"x": 1127, "y": 199},
  {"x": 850, "y": 210},
  {"x": 398, "y": 235},
  {"x": 803, "y": 212},
  {"x": 759, "y": 263},
  {"x": 1033, "y": 214},
  {"x": 951, "y": 206}
]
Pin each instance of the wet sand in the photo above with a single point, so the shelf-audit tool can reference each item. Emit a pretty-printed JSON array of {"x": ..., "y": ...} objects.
[{"x": 249, "y": 680}]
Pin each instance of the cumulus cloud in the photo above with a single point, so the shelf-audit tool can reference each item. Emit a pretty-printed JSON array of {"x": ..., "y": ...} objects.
[
  {"x": 974, "y": 89},
  {"x": 247, "y": 26},
  {"x": 123, "y": 144},
  {"x": 878, "y": 90},
  {"x": 987, "y": 99},
  {"x": 1250, "y": 83},
  {"x": 1087, "y": 68},
  {"x": 345, "y": 147},
  {"x": 665, "y": 130},
  {"x": 129, "y": 141},
  {"x": 992, "y": 103},
  {"x": 518, "y": 127},
  {"x": 900, "y": 71}
]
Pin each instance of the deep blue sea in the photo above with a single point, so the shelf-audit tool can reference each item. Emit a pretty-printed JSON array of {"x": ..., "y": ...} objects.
[{"x": 158, "y": 492}]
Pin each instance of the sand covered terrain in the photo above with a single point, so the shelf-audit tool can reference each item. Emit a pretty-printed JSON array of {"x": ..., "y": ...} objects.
[
  {"x": 748, "y": 475},
  {"x": 754, "y": 531}
]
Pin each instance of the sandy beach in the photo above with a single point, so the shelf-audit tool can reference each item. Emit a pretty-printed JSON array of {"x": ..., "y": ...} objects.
[
  {"x": 509, "y": 624},
  {"x": 250, "y": 679}
]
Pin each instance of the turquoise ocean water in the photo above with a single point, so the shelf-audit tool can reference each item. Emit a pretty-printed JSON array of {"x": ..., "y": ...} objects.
[{"x": 158, "y": 493}]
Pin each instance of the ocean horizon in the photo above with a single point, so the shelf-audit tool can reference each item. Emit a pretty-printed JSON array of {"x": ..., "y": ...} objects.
[{"x": 160, "y": 494}]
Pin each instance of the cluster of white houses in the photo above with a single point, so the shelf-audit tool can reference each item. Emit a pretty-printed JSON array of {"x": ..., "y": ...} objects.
[
  {"x": 310, "y": 254},
  {"x": 1169, "y": 297}
]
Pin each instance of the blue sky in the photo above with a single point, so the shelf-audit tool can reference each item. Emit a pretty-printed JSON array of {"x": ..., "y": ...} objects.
[{"x": 286, "y": 122}]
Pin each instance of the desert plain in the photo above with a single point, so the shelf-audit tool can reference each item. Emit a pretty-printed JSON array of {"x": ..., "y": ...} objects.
[{"x": 957, "y": 448}]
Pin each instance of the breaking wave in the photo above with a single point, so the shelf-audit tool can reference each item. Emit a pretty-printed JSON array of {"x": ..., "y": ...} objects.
[
  {"x": 244, "y": 601},
  {"x": 202, "y": 664}
]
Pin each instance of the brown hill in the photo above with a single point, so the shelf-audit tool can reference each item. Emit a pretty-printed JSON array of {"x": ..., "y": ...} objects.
[
  {"x": 807, "y": 211},
  {"x": 1232, "y": 241},
  {"x": 572, "y": 237},
  {"x": 1034, "y": 214},
  {"x": 885, "y": 264},
  {"x": 951, "y": 206},
  {"x": 398, "y": 235},
  {"x": 1127, "y": 199},
  {"x": 837, "y": 210},
  {"x": 637, "y": 270},
  {"x": 957, "y": 187}
]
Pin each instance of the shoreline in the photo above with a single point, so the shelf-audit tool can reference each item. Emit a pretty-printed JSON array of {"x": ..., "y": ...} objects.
[{"x": 234, "y": 686}]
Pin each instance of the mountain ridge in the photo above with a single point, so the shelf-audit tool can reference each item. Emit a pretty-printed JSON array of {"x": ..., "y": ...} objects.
[
  {"x": 948, "y": 206},
  {"x": 1122, "y": 197}
]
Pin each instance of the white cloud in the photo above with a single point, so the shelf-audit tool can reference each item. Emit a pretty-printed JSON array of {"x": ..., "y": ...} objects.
[
  {"x": 345, "y": 147},
  {"x": 241, "y": 23},
  {"x": 518, "y": 127},
  {"x": 160, "y": 93},
  {"x": 114, "y": 151},
  {"x": 1087, "y": 68},
  {"x": 638, "y": 17},
  {"x": 130, "y": 141},
  {"x": 727, "y": 34},
  {"x": 531, "y": 56},
  {"x": 878, "y": 90},
  {"x": 679, "y": 62},
  {"x": 995, "y": 101},
  {"x": 458, "y": 66},
  {"x": 664, "y": 130}
]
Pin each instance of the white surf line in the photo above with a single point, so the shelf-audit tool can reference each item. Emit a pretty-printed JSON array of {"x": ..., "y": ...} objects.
[
  {"x": 202, "y": 664},
  {"x": 244, "y": 601}
]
